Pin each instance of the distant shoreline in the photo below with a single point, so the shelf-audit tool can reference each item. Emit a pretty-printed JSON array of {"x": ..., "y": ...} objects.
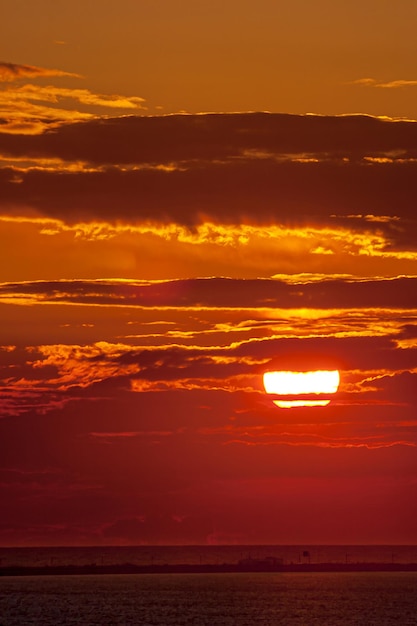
[{"x": 203, "y": 568}]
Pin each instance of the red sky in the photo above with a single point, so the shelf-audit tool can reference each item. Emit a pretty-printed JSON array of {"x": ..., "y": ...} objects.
[{"x": 156, "y": 260}]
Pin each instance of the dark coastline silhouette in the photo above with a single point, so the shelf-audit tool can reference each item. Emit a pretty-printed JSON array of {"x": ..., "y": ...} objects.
[{"x": 204, "y": 568}]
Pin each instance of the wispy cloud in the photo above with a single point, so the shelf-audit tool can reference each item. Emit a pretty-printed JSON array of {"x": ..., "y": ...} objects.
[
  {"x": 55, "y": 95},
  {"x": 30, "y": 108},
  {"x": 392, "y": 84},
  {"x": 14, "y": 71}
]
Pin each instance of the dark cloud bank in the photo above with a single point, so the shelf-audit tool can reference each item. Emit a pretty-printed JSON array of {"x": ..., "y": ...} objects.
[
  {"x": 174, "y": 138},
  {"x": 227, "y": 292},
  {"x": 231, "y": 168}
]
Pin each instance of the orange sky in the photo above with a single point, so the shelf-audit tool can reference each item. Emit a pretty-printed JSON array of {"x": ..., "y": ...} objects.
[{"x": 156, "y": 260}]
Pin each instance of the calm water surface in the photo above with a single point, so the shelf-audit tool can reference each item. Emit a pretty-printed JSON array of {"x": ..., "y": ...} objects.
[{"x": 367, "y": 599}]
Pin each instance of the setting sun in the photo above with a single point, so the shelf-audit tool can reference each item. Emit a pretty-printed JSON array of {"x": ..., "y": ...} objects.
[
  {"x": 301, "y": 384},
  {"x": 208, "y": 212}
]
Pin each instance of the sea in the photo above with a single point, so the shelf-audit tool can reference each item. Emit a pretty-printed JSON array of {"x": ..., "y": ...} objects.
[{"x": 224, "y": 599}]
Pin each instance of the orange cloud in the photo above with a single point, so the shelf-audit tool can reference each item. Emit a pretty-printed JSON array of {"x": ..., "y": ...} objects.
[
  {"x": 393, "y": 84},
  {"x": 30, "y": 109},
  {"x": 78, "y": 365},
  {"x": 53, "y": 95},
  {"x": 14, "y": 71},
  {"x": 27, "y": 111},
  {"x": 297, "y": 240}
]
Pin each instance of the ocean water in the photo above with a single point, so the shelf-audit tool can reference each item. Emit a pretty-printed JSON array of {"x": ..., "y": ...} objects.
[
  {"x": 241, "y": 599},
  {"x": 297, "y": 599}
]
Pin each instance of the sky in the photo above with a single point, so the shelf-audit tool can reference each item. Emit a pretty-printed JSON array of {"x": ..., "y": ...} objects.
[{"x": 194, "y": 193}]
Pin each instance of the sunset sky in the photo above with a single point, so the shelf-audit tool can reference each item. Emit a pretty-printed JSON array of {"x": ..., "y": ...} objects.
[{"x": 193, "y": 193}]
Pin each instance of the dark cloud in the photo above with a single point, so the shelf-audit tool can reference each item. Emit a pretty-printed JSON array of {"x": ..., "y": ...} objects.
[
  {"x": 263, "y": 192},
  {"x": 145, "y": 140},
  {"x": 226, "y": 292},
  {"x": 367, "y": 353},
  {"x": 230, "y": 168},
  {"x": 401, "y": 387},
  {"x": 409, "y": 331}
]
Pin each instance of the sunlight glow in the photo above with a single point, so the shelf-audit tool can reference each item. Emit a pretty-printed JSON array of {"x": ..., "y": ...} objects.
[
  {"x": 290, "y": 404},
  {"x": 301, "y": 383}
]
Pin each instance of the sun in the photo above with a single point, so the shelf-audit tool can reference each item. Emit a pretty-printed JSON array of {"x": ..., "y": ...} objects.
[{"x": 302, "y": 389}]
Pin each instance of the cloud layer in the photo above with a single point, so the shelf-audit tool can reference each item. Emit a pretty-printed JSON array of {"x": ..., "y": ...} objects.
[
  {"x": 354, "y": 174},
  {"x": 153, "y": 268}
]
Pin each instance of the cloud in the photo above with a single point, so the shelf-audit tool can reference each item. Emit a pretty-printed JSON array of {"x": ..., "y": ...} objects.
[
  {"x": 155, "y": 250},
  {"x": 54, "y": 95},
  {"x": 14, "y": 71},
  {"x": 219, "y": 137},
  {"x": 201, "y": 293},
  {"x": 30, "y": 109},
  {"x": 197, "y": 170},
  {"x": 290, "y": 195},
  {"x": 102, "y": 369},
  {"x": 192, "y": 174},
  {"x": 145, "y": 395},
  {"x": 393, "y": 84}
]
